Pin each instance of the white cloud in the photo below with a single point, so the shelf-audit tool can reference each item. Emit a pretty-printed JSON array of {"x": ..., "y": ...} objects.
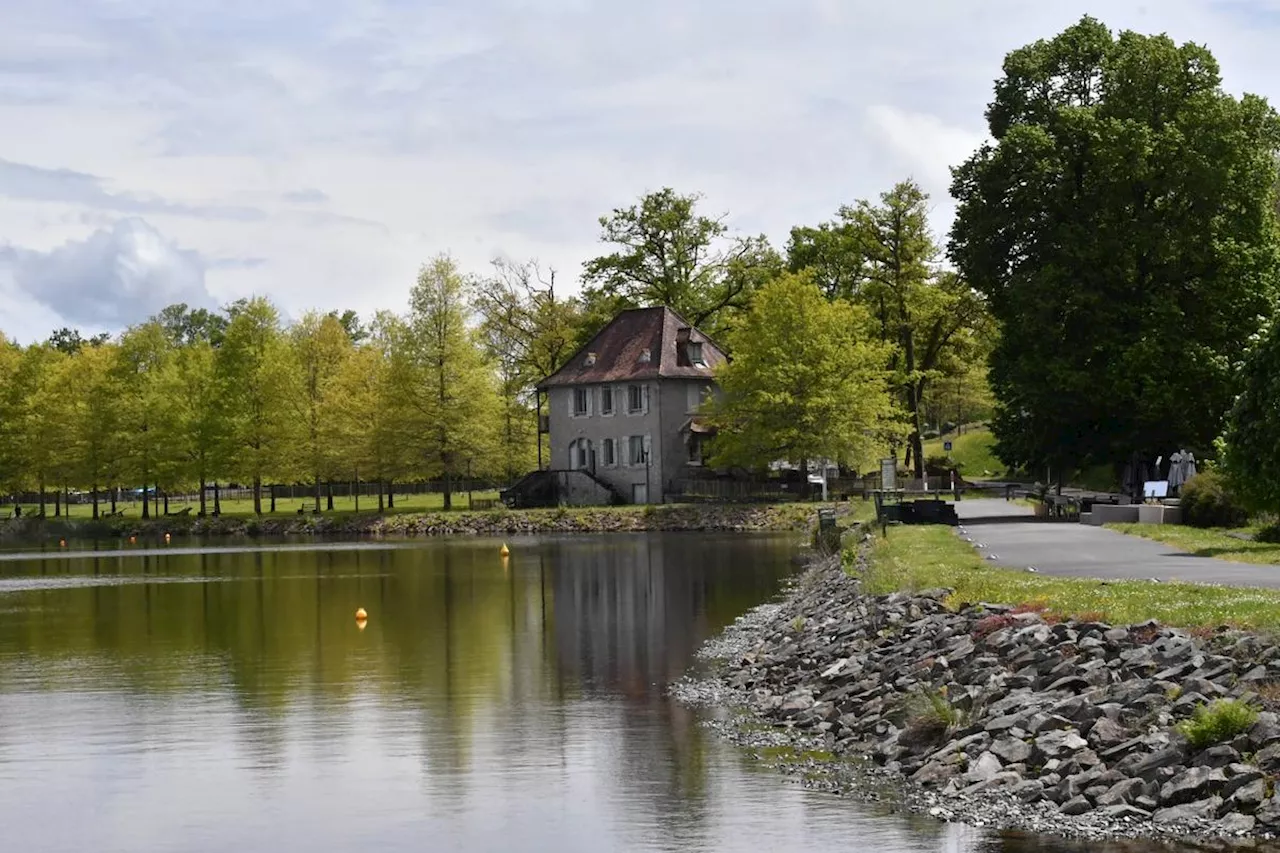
[{"x": 368, "y": 135}]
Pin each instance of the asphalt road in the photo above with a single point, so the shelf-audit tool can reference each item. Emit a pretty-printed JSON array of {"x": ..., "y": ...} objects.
[{"x": 1008, "y": 533}]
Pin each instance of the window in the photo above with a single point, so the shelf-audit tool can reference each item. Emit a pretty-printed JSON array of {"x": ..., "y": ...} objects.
[
  {"x": 695, "y": 449},
  {"x": 580, "y": 454},
  {"x": 579, "y": 402},
  {"x": 636, "y": 455},
  {"x": 635, "y": 398},
  {"x": 606, "y": 400},
  {"x": 695, "y": 354},
  {"x": 697, "y": 395},
  {"x": 609, "y": 459}
]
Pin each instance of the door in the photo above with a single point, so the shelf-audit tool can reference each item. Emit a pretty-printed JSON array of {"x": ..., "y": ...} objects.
[{"x": 640, "y": 493}]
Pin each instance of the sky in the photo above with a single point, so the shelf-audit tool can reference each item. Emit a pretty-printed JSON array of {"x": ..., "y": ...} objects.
[{"x": 317, "y": 153}]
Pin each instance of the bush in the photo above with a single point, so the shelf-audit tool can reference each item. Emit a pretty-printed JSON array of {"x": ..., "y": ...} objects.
[
  {"x": 1208, "y": 501},
  {"x": 1216, "y": 723},
  {"x": 937, "y": 466}
]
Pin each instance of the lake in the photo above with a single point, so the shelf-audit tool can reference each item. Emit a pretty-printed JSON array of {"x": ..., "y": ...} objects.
[{"x": 186, "y": 698}]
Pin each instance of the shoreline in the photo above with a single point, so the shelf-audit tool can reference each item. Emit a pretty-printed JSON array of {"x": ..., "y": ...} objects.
[
  {"x": 799, "y": 517},
  {"x": 1064, "y": 729}
]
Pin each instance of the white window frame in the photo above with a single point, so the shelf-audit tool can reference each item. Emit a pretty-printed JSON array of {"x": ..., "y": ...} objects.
[
  {"x": 613, "y": 401},
  {"x": 573, "y": 402},
  {"x": 609, "y": 452},
  {"x": 644, "y": 448},
  {"x": 644, "y": 399},
  {"x": 700, "y": 359}
]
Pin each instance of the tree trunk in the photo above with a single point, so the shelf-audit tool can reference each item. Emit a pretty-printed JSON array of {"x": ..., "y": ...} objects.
[
  {"x": 146, "y": 500},
  {"x": 115, "y": 493},
  {"x": 94, "y": 491},
  {"x": 273, "y": 498},
  {"x": 203, "y": 505},
  {"x": 217, "y": 499},
  {"x": 166, "y": 503},
  {"x": 317, "y": 479},
  {"x": 381, "y": 494},
  {"x": 42, "y": 500},
  {"x": 329, "y": 495},
  {"x": 357, "y": 492},
  {"x": 57, "y": 503},
  {"x": 448, "y": 488},
  {"x": 257, "y": 495},
  {"x": 391, "y": 494}
]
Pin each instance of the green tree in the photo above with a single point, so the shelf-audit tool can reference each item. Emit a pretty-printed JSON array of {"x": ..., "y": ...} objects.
[
  {"x": 255, "y": 373},
  {"x": 186, "y": 325},
  {"x": 884, "y": 257},
  {"x": 320, "y": 346},
  {"x": 807, "y": 382},
  {"x": 1121, "y": 226},
  {"x": 199, "y": 419},
  {"x": 1249, "y": 449},
  {"x": 669, "y": 254},
  {"x": 97, "y": 419},
  {"x": 145, "y": 351},
  {"x": 456, "y": 401}
]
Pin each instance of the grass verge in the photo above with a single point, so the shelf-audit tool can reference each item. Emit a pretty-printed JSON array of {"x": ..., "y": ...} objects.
[
  {"x": 973, "y": 453},
  {"x": 915, "y": 558},
  {"x": 1206, "y": 542}
]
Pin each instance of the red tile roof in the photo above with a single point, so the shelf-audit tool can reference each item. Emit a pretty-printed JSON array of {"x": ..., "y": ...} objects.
[{"x": 618, "y": 348}]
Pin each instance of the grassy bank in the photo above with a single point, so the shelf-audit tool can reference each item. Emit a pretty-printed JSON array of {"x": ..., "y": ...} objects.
[
  {"x": 1213, "y": 542},
  {"x": 927, "y": 557},
  {"x": 973, "y": 453},
  {"x": 495, "y": 522}
]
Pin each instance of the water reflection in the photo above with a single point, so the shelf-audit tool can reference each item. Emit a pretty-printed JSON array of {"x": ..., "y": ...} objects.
[{"x": 205, "y": 700}]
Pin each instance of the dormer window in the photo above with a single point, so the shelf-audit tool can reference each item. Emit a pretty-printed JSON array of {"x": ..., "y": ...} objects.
[
  {"x": 591, "y": 359},
  {"x": 695, "y": 354},
  {"x": 645, "y": 356}
]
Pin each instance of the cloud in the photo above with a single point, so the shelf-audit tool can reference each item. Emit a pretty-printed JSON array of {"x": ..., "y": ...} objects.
[
  {"x": 307, "y": 196},
  {"x": 112, "y": 278},
  {"x": 33, "y": 183}
]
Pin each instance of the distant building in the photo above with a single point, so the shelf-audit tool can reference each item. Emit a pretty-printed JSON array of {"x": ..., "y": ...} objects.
[{"x": 624, "y": 408}]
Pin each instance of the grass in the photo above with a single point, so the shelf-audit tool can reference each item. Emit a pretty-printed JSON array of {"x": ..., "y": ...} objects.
[
  {"x": 913, "y": 558},
  {"x": 1206, "y": 542},
  {"x": 973, "y": 453},
  {"x": 1217, "y": 723},
  {"x": 243, "y": 508}
]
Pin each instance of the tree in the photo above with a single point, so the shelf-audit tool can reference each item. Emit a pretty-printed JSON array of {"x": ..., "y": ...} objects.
[
  {"x": 350, "y": 321},
  {"x": 1121, "y": 226},
  {"x": 186, "y": 325},
  {"x": 320, "y": 346},
  {"x": 143, "y": 360},
  {"x": 884, "y": 257},
  {"x": 528, "y": 331},
  {"x": 97, "y": 419},
  {"x": 669, "y": 254},
  {"x": 199, "y": 420},
  {"x": 807, "y": 381},
  {"x": 455, "y": 398},
  {"x": 255, "y": 370}
]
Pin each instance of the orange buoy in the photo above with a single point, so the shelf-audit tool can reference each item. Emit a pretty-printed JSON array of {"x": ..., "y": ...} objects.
[
  {"x": 505, "y": 551},
  {"x": 166, "y": 538},
  {"x": 361, "y": 615},
  {"x": 62, "y": 543},
  {"x": 133, "y": 540}
]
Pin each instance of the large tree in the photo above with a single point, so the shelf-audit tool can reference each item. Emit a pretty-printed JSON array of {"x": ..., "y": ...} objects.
[
  {"x": 1121, "y": 225},
  {"x": 320, "y": 346},
  {"x": 667, "y": 253},
  {"x": 144, "y": 357},
  {"x": 884, "y": 257},
  {"x": 807, "y": 382},
  {"x": 455, "y": 395}
]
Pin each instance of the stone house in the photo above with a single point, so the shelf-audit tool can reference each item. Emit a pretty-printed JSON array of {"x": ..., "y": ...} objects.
[{"x": 624, "y": 408}]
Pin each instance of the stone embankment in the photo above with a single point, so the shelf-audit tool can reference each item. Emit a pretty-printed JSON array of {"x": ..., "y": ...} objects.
[
  {"x": 999, "y": 718},
  {"x": 498, "y": 522}
]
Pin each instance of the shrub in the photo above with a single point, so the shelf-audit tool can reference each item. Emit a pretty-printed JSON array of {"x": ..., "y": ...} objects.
[
  {"x": 1269, "y": 534},
  {"x": 1216, "y": 723},
  {"x": 1208, "y": 501},
  {"x": 937, "y": 466},
  {"x": 932, "y": 717}
]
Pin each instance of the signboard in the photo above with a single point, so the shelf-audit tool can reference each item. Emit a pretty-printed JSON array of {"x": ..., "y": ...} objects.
[
  {"x": 889, "y": 474},
  {"x": 946, "y": 445},
  {"x": 1156, "y": 489}
]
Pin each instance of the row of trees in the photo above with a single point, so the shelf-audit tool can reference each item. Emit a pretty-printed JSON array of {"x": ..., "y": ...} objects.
[{"x": 189, "y": 398}]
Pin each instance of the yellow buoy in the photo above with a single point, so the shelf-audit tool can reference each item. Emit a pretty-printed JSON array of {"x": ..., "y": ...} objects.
[
  {"x": 505, "y": 550},
  {"x": 62, "y": 543},
  {"x": 166, "y": 537},
  {"x": 361, "y": 624},
  {"x": 133, "y": 539},
  {"x": 361, "y": 615}
]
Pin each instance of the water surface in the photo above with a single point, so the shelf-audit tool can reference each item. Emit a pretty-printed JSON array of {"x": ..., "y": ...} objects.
[{"x": 224, "y": 698}]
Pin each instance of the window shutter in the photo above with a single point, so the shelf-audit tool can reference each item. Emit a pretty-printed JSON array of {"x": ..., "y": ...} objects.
[
  {"x": 648, "y": 453},
  {"x": 570, "y": 395},
  {"x": 624, "y": 452},
  {"x": 646, "y": 402}
]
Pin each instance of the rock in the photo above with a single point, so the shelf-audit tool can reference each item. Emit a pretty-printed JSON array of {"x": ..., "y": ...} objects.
[
  {"x": 1047, "y": 723},
  {"x": 984, "y": 769},
  {"x": 1149, "y": 766},
  {"x": 1076, "y": 806},
  {"x": 1265, "y": 731},
  {"x": 1249, "y": 797},
  {"x": 1188, "y": 813},
  {"x": 934, "y": 774},
  {"x": 1028, "y": 790},
  {"x": 1011, "y": 751},
  {"x": 1059, "y": 743},
  {"x": 1124, "y": 812},
  {"x": 1191, "y": 785},
  {"x": 1237, "y": 824},
  {"x": 1239, "y": 775},
  {"x": 1217, "y": 756},
  {"x": 1121, "y": 793},
  {"x": 1106, "y": 733},
  {"x": 1268, "y": 759},
  {"x": 1269, "y": 815}
]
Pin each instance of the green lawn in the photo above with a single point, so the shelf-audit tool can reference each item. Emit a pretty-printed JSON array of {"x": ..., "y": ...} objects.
[
  {"x": 1211, "y": 542},
  {"x": 426, "y": 502},
  {"x": 914, "y": 558},
  {"x": 973, "y": 452}
]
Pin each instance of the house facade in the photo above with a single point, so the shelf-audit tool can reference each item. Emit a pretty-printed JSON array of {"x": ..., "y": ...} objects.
[{"x": 624, "y": 407}]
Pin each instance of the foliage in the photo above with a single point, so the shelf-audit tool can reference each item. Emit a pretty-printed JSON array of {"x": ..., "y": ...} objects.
[
  {"x": 1250, "y": 453},
  {"x": 930, "y": 716},
  {"x": 807, "y": 381},
  {"x": 669, "y": 254},
  {"x": 1217, "y": 723},
  {"x": 1121, "y": 227},
  {"x": 972, "y": 452},
  {"x": 1208, "y": 500},
  {"x": 884, "y": 257}
]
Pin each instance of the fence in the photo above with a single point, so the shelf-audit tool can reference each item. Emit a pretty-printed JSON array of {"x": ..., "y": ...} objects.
[{"x": 779, "y": 491}]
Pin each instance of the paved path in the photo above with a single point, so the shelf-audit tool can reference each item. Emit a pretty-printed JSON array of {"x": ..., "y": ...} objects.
[{"x": 1007, "y": 531}]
